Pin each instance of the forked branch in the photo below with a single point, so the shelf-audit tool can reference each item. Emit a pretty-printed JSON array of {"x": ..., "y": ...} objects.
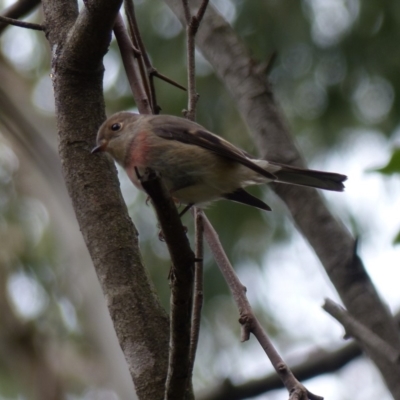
[{"x": 366, "y": 338}]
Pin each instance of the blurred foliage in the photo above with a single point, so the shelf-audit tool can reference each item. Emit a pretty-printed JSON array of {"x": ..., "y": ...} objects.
[
  {"x": 393, "y": 166},
  {"x": 336, "y": 72},
  {"x": 26, "y": 259}
]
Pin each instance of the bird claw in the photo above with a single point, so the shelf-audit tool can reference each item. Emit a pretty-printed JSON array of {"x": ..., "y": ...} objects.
[{"x": 161, "y": 236}]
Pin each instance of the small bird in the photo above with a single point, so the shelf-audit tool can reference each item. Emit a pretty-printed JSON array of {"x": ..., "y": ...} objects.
[{"x": 196, "y": 165}]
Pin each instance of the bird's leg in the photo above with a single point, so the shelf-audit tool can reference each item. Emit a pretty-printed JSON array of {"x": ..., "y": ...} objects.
[{"x": 187, "y": 208}]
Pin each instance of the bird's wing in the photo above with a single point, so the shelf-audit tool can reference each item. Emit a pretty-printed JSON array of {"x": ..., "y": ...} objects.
[{"x": 193, "y": 134}]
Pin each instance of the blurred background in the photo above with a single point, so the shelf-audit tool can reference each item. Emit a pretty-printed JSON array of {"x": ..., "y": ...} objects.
[{"x": 336, "y": 78}]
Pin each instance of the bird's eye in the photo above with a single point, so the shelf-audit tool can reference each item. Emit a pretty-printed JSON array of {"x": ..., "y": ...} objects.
[{"x": 116, "y": 127}]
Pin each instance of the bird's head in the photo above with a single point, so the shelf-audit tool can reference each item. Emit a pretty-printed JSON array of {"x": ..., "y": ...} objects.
[{"x": 113, "y": 129}]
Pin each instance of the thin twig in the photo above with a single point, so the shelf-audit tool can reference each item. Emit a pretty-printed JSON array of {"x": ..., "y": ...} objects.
[
  {"x": 192, "y": 26},
  {"x": 198, "y": 215},
  {"x": 193, "y": 96},
  {"x": 130, "y": 12},
  {"x": 22, "y": 24},
  {"x": 125, "y": 46},
  {"x": 161, "y": 76},
  {"x": 145, "y": 62},
  {"x": 249, "y": 322},
  {"x": 142, "y": 54},
  {"x": 367, "y": 339},
  {"x": 198, "y": 285},
  {"x": 201, "y": 11},
  {"x": 186, "y": 11},
  {"x": 17, "y": 10}
]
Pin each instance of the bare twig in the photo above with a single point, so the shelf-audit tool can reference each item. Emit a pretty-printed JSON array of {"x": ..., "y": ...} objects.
[
  {"x": 22, "y": 24},
  {"x": 130, "y": 12},
  {"x": 249, "y": 322},
  {"x": 201, "y": 11},
  {"x": 18, "y": 10},
  {"x": 198, "y": 285},
  {"x": 126, "y": 49},
  {"x": 141, "y": 54},
  {"x": 192, "y": 26},
  {"x": 181, "y": 277},
  {"x": 159, "y": 75},
  {"x": 367, "y": 339},
  {"x": 186, "y": 10},
  {"x": 144, "y": 59}
]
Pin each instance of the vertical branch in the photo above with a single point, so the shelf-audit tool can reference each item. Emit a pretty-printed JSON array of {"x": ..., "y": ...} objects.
[
  {"x": 177, "y": 384},
  {"x": 192, "y": 26},
  {"x": 198, "y": 286},
  {"x": 193, "y": 96}
]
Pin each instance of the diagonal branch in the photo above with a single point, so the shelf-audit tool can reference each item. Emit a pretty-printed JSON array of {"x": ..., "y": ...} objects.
[
  {"x": 18, "y": 10},
  {"x": 22, "y": 24},
  {"x": 365, "y": 337},
  {"x": 248, "y": 320},
  {"x": 144, "y": 59},
  {"x": 142, "y": 56},
  {"x": 134, "y": 78}
]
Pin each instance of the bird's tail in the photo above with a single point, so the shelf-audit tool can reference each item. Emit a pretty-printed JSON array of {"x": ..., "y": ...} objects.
[{"x": 309, "y": 177}]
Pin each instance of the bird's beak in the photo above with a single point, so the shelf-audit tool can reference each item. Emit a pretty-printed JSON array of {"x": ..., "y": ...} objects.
[{"x": 101, "y": 147}]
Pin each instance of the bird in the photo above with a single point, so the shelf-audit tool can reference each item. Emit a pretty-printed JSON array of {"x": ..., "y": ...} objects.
[{"x": 196, "y": 165}]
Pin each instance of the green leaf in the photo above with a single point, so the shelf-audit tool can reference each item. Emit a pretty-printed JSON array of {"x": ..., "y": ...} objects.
[{"x": 393, "y": 166}]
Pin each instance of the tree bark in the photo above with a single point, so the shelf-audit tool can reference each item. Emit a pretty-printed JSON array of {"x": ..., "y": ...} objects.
[{"x": 79, "y": 42}]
